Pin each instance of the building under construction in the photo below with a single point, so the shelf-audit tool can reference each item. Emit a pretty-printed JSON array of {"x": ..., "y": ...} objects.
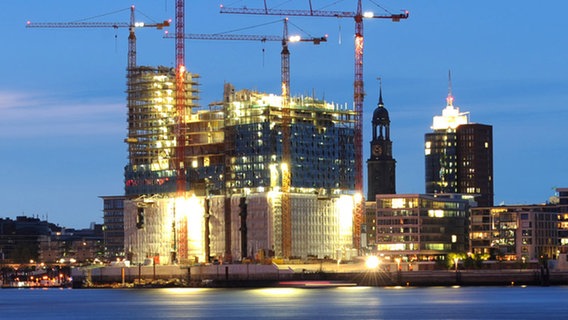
[
  {"x": 233, "y": 161},
  {"x": 152, "y": 129}
]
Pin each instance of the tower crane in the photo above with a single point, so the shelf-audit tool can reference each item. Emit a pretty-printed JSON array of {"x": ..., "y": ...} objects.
[
  {"x": 285, "y": 87},
  {"x": 285, "y": 39},
  {"x": 358, "y": 88},
  {"x": 132, "y": 25},
  {"x": 181, "y": 101}
]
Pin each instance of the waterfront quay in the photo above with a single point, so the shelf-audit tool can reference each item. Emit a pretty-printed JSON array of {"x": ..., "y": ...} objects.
[{"x": 312, "y": 275}]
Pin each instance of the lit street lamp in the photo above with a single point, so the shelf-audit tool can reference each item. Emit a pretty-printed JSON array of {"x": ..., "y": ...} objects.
[{"x": 372, "y": 262}]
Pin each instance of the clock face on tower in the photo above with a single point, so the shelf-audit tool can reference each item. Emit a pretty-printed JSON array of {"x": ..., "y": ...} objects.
[{"x": 377, "y": 150}]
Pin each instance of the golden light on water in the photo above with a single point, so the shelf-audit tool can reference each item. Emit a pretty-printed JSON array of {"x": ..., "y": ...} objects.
[
  {"x": 270, "y": 292},
  {"x": 185, "y": 291}
]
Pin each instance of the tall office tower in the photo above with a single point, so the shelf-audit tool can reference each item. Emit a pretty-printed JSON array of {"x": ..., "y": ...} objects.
[
  {"x": 459, "y": 155},
  {"x": 381, "y": 165}
]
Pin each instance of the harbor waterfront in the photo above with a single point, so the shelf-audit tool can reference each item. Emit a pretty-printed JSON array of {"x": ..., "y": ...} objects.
[
  {"x": 272, "y": 275},
  {"x": 503, "y": 302}
]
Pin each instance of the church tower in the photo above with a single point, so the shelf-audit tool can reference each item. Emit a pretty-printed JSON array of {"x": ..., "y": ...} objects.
[{"x": 381, "y": 165}]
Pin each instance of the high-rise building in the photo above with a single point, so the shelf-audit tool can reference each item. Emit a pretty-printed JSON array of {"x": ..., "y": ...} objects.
[
  {"x": 459, "y": 155},
  {"x": 233, "y": 208},
  {"x": 381, "y": 165},
  {"x": 475, "y": 162}
]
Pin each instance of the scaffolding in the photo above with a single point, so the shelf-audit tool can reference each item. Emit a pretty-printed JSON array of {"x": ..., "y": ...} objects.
[
  {"x": 320, "y": 227},
  {"x": 151, "y": 123}
]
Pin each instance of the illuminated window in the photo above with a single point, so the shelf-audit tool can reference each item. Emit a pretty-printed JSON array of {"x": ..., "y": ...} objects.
[{"x": 398, "y": 203}]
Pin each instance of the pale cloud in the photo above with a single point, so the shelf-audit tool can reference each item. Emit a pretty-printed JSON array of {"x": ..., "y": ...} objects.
[{"x": 29, "y": 114}]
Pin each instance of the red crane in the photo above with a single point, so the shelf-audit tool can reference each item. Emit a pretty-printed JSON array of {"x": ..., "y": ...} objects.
[
  {"x": 358, "y": 88},
  {"x": 181, "y": 102}
]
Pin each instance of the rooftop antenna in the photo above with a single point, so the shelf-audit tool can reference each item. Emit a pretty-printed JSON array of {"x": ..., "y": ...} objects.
[{"x": 450, "y": 98}]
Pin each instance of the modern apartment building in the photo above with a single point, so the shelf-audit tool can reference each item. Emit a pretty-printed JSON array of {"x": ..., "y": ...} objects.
[{"x": 420, "y": 227}]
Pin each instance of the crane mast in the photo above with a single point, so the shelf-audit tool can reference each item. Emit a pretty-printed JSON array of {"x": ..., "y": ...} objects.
[
  {"x": 181, "y": 102},
  {"x": 358, "y": 85},
  {"x": 131, "y": 42},
  {"x": 286, "y": 154}
]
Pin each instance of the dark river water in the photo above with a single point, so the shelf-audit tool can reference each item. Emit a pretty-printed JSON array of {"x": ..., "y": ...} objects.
[{"x": 288, "y": 303}]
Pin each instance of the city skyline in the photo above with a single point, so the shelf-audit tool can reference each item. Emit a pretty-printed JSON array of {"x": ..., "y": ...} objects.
[{"x": 64, "y": 107}]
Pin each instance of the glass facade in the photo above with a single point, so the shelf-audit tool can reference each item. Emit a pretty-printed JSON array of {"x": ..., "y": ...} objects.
[
  {"x": 322, "y": 150},
  {"x": 421, "y": 227}
]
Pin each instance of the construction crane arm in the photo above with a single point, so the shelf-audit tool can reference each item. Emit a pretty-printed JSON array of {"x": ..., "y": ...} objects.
[
  {"x": 114, "y": 25},
  {"x": 250, "y": 37},
  {"x": 312, "y": 13},
  {"x": 280, "y": 12}
]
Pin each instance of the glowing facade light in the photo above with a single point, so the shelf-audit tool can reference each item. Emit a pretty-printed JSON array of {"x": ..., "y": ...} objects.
[
  {"x": 358, "y": 197},
  {"x": 345, "y": 206}
]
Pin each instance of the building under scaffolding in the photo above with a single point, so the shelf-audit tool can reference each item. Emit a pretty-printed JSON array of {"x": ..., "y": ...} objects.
[
  {"x": 151, "y": 129},
  {"x": 234, "y": 161}
]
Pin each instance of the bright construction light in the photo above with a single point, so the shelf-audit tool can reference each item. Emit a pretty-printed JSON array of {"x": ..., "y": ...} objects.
[
  {"x": 372, "y": 262},
  {"x": 139, "y": 24},
  {"x": 294, "y": 38},
  {"x": 368, "y": 14},
  {"x": 358, "y": 197}
]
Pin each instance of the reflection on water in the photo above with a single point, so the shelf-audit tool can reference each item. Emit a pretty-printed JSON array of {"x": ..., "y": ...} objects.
[{"x": 285, "y": 303}]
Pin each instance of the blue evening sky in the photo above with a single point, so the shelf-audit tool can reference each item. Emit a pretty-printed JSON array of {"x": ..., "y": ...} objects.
[{"x": 62, "y": 91}]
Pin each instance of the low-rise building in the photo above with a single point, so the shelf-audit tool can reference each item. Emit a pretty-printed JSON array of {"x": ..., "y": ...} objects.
[
  {"x": 421, "y": 227},
  {"x": 517, "y": 232},
  {"x": 113, "y": 226},
  {"x": 70, "y": 245}
]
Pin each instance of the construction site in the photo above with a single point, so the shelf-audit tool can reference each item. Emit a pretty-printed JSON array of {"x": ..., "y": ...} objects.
[
  {"x": 253, "y": 176},
  {"x": 232, "y": 208}
]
